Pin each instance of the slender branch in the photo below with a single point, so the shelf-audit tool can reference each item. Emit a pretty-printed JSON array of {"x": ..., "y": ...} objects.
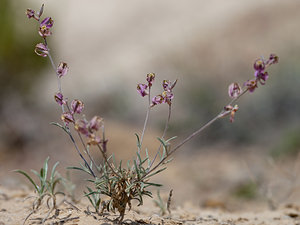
[
  {"x": 63, "y": 110},
  {"x": 163, "y": 135},
  {"x": 86, "y": 149},
  {"x": 220, "y": 115},
  {"x": 106, "y": 160},
  {"x": 146, "y": 121},
  {"x": 78, "y": 151}
]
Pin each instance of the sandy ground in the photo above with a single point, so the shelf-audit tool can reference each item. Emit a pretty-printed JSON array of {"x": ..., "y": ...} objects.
[
  {"x": 203, "y": 194},
  {"x": 13, "y": 210}
]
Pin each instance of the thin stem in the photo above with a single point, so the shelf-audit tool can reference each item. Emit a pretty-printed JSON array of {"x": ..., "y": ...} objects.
[
  {"x": 86, "y": 149},
  {"x": 220, "y": 115},
  {"x": 182, "y": 143},
  {"x": 78, "y": 151},
  {"x": 146, "y": 121},
  {"x": 63, "y": 110},
  {"x": 163, "y": 135},
  {"x": 106, "y": 160}
]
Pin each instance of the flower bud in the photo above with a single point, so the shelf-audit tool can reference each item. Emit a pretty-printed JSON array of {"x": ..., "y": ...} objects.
[
  {"x": 273, "y": 59},
  {"x": 41, "y": 11}
]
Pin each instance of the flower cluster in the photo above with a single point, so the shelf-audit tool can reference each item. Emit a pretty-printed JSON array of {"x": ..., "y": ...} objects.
[
  {"x": 260, "y": 76},
  {"x": 83, "y": 126},
  {"x": 144, "y": 89},
  {"x": 45, "y": 25},
  {"x": 32, "y": 14},
  {"x": 165, "y": 97}
]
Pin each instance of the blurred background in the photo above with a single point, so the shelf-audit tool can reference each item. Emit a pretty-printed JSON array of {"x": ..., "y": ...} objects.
[{"x": 111, "y": 46}]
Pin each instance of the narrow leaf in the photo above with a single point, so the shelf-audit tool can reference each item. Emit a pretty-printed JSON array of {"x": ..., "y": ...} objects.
[{"x": 28, "y": 177}]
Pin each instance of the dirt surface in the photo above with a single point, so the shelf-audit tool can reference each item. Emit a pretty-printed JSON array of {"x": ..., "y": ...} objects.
[
  {"x": 208, "y": 188},
  {"x": 13, "y": 210}
]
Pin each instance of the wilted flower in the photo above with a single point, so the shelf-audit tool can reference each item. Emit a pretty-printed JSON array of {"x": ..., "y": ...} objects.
[
  {"x": 95, "y": 124},
  {"x": 158, "y": 99},
  {"x": 234, "y": 90},
  {"x": 142, "y": 89},
  {"x": 251, "y": 85},
  {"x": 150, "y": 78},
  {"x": 94, "y": 140},
  {"x": 82, "y": 127},
  {"x": 41, "y": 50},
  {"x": 230, "y": 110},
  {"x": 62, "y": 69},
  {"x": 77, "y": 106},
  {"x": 59, "y": 98},
  {"x": 67, "y": 118}
]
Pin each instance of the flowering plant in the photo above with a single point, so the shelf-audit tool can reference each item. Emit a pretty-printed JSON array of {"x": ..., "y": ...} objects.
[{"x": 122, "y": 184}]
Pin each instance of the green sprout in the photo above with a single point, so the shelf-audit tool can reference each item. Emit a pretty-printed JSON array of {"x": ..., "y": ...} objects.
[{"x": 46, "y": 188}]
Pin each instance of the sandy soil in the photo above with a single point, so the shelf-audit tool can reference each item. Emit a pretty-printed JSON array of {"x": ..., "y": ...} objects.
[
  {"x": 13, "y": 210},
  {"x": 203, "y": 194}
]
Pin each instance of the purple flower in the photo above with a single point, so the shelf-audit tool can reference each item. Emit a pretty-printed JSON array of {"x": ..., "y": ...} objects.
[
  {"x": 167, "y": 97},
  {"x": 251, "y": 85},
  {"x": 77, "y": 106},
  {"x": 261, "y": 76},
  {"x": 30, "y": 13},
  {"x": 47, "y": 22},
  {"x": 62, "y": 69},
  {"x": 142, "y": 89},
  {"x": 45, "y": 26},
  {"x": 67, "y": 118},
  {"x": 150, "y": 78},
  {"x": 273, "y": 59},
  {"x": 259, "y": 65},
  {"x": 234, "y": 90},
  {"x": 167, "y": 85},
  {"x": 41, "y": 50},
  {"x": 59, "y": 98},
  {"x": 158, "y": 99},
  {"x": 82, "y": 127},
  {"x": 95, "y": 124}
]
